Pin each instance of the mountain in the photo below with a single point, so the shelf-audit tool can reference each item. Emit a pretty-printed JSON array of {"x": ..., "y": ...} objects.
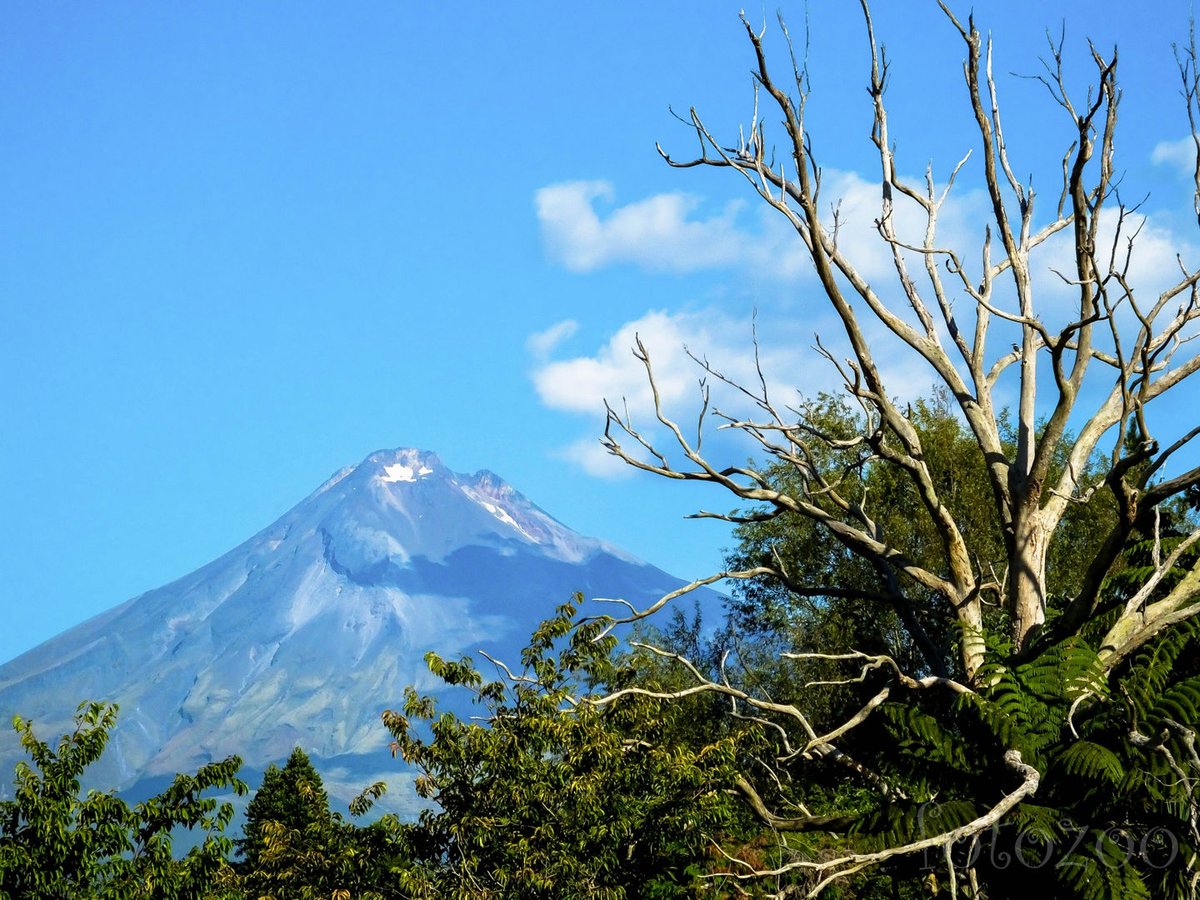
[{"x": 306, "y": 632}]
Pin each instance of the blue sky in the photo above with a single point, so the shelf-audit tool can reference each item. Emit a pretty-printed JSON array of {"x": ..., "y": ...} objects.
[{"x": 244, "y": 245}]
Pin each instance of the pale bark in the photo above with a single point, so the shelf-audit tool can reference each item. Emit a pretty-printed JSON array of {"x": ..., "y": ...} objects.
[{"x": 1140, "y": 358}]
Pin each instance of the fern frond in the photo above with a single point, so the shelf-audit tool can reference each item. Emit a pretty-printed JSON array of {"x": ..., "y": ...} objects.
[{"x": 1085, "y": 759}]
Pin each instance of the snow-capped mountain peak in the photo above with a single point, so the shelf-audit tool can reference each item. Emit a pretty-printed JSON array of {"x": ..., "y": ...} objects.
[{"x": 303, "y": 634}]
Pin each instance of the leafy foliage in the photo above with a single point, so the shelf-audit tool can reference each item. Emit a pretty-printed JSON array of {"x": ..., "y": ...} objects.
[
  {"x": 831, "y": 596},
  {"x": 1114, "y": 813},
  {"x": 55, "y": 843},
  {"x": 292, "y": 797},
  {"x": 553, "y": 794},
  {"x": 295, "y": 847}
]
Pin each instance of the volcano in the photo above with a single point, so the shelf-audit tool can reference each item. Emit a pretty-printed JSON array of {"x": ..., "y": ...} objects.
[{"x": 305, "y": 633}]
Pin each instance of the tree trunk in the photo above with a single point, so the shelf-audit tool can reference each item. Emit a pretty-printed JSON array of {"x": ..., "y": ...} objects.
[
  {"x": 1027, "y": 575},
  {"x": 970, "y": 616}
]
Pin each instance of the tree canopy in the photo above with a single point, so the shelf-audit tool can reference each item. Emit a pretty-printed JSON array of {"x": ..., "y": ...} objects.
[
  {"x": 55, "y": 843},
  {"x": 553, "y": 795}
]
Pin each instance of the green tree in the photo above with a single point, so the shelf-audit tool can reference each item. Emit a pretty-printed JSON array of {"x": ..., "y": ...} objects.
[
  {"x": 294, "y": 848},
  {"x": 825, "y": 596},
  {"x": 555, "y": 793},
  {"x": 56, "y": 842},
  {"x": 292, "y": 797}
]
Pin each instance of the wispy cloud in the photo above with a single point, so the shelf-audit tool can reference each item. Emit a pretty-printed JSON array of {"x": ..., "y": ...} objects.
[
  {"x": 543, "y": 343},
  {"x": 1153, "y": 262},
  {"x": 588, "y": 454},
  {"x": 1179, "y": 155},
  {"x": 582, "y": 384}
]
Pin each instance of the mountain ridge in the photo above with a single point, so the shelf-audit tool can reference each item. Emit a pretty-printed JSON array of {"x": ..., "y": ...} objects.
[{"x": 302, "y": 634}]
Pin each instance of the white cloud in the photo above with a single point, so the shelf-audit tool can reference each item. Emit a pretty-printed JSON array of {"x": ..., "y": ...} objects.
[
  {"x": 589, "y": 455},
  {"x": 856, "y": 204},
  {"x": 656, "y": 233},
  {"x": 543, "y": 343},
  {"x": 665, "y": 232},
  {"x": 582, "y": 384},
  {"x": 792, "y": 367},
  {"x": 1179, "y": 155},
  {"x": 1153, "y": 263}
]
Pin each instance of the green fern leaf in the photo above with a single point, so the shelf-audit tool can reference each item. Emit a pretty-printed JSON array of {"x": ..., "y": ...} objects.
[{"x": 1092, "y": 761}]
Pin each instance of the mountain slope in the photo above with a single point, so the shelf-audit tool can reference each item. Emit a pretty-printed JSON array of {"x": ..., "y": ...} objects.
[{"x": 306, "y": 632}]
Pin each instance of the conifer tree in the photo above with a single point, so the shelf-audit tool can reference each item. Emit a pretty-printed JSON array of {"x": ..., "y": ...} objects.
[{"x": 294, "y": 797}]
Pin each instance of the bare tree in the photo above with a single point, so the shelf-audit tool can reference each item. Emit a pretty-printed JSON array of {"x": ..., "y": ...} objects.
[
  {"x": 1085, "y": 386},
  {"x": 1120, "y": 350}
]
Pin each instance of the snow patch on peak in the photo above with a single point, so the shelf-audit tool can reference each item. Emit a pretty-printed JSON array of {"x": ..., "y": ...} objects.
[
  {"x": 400, "y": 472},
  {"x": 403, "y": 466},
  {"x": 513, "y": 510},
  {"x": 504, "y": 517}
]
